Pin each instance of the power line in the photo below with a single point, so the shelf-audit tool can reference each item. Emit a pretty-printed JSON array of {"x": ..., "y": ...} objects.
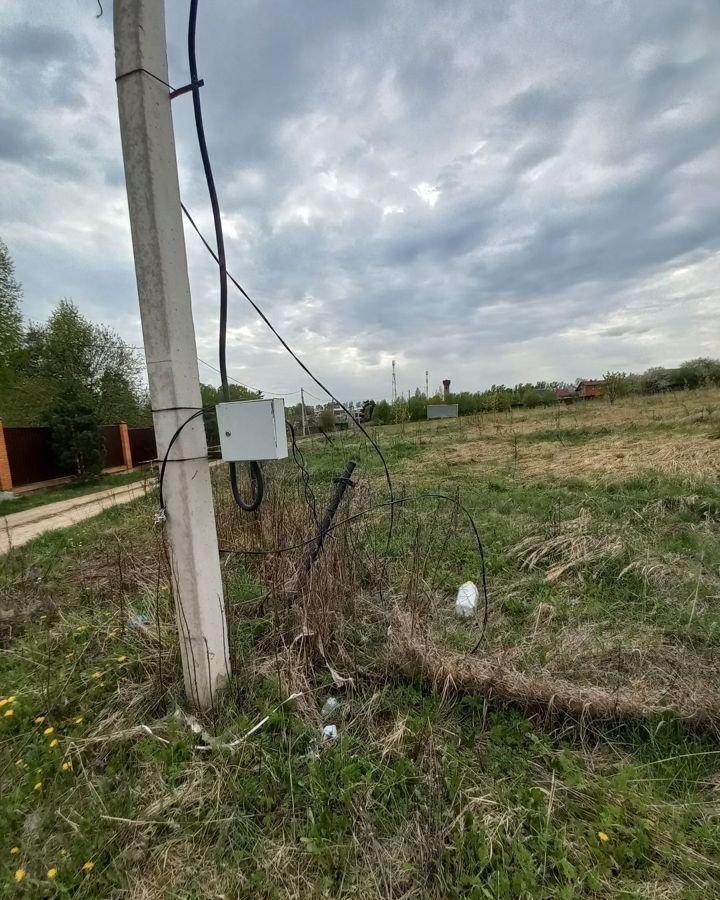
[
  {"x": 241, "y": 383},
  {"x": 248, "y": 386}
]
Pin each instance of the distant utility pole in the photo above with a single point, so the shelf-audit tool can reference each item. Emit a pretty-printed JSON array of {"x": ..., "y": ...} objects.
[
  {"x": 427, "y": 389},
  {"x": 151, "y": 177},
  {"x": 302, "y": 405},
  {"x": 394, "y": 384}
]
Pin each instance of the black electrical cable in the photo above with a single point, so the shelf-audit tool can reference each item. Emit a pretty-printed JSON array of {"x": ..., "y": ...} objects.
[
  {"x": 302, "y": 365},
  {"x": 299, "y": 459},
  {"x": 256, "y": 475},
  {"x": 161, "y": 477},
  {"x": 269, "y": 551}
]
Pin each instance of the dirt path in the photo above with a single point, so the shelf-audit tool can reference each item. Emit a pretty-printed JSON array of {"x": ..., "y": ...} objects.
[{"x": 19, "y": 528}]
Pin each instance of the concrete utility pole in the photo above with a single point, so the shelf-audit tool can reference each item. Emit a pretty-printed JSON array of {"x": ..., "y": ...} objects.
[
  {"x": 151, "y": 177},
  {"x": 427, "y": 388},
  {"x": 302, "y": 404},
  {"x": 394, "y": 383}
]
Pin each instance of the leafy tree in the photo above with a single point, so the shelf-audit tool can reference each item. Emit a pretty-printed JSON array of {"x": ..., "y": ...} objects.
[
  {"x": 615, "y": 385},
  {"x": 700, "y": 372},
  {"x": 211, "y": 396},
  {"x": 11, "y": 332},
  {"x": 76, "y": 432},
  {"x": 381, "y": 413}
]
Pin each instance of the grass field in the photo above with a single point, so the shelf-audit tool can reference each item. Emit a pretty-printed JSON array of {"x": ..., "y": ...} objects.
[
  {"x": 69, "y": 491},
  {"x": 575, "y": 754}
]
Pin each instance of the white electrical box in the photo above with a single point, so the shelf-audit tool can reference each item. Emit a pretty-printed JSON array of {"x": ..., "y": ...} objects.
[{"x": 252, "y": 430}]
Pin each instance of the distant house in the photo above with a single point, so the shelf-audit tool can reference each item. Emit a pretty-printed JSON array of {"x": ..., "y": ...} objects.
[
  {"x": 588, "y": 390},
  {"x": 565, "y": 395}
]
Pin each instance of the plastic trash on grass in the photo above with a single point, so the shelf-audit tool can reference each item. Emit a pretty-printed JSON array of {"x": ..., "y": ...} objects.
[
  {"x": 467, "y": 600},
  {"x": 330, "y": 733},
  {"x": 329, "y": 707}
]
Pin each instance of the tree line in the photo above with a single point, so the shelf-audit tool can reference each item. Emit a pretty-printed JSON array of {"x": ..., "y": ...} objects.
[{"x": 695, "y": 373}]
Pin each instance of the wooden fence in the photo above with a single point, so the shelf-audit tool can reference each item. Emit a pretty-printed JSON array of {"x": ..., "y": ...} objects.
[{"x": 27, "y": 458}]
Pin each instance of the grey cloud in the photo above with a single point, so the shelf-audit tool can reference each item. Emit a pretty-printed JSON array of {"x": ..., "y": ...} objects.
[
  {"x": 572, "y": 150},
  {"x": 30, "y": 43}
]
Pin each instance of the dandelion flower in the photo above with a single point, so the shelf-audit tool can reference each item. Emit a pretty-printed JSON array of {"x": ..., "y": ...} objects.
[
  {"x": 11, "y": 699},
  {"x": 603, "y": 837},
  {"x": 38, "y": 786},
  {"x": 9, "y": 713},
  {"x": 54, "y": 742},
  {"x": 66, "y": 766},
  {"x": 97, "y": 674},
  {"x": 19, "y": 874},
  {"x": 4, "y": 702},
  {"x": 49, "y": 730},
  {"x": 88, "y": 866},
  {"x": 14, "y": 850},
  {"x": 39, "y": 720},
  {"x": 52, "y": 873},
  {"x": 79, "y": 720},
  {"x": 122, "y": 659}
]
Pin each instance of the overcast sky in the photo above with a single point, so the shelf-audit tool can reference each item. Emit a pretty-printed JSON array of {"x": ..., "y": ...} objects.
[{"x": 495, "y": 191}]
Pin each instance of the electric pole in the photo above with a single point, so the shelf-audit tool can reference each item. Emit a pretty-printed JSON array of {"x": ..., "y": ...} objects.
[
  {"x": 151, "y": 177},
  {"x": 394, "y": 383},
  {"x": 302, "y": 405},
  {"x": 427, "y": 389}
]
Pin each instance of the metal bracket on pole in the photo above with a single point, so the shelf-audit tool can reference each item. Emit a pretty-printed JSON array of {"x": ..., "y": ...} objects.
[
  {"x": 342, "y": 483},
  {"x": 184, "y": 90}
]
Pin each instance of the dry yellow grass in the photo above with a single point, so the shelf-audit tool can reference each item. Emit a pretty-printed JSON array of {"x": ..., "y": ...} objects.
[{"x": 610, "y": 455}]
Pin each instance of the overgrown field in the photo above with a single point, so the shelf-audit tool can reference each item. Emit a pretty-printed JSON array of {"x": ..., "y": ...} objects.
[{"x": 574, "y": 754}]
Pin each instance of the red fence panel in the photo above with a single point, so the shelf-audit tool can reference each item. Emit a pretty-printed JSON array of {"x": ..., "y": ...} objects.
[
  {"x": 113, "y": 447},
  {"x": 31, "y": 457},
  {"x": 142, "y": 444}
]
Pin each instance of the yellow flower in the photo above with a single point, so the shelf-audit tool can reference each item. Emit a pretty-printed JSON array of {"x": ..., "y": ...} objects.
[
  {"x": 66, "y": 766},
  {"x": 14, "y": 850},
  {"x": 603, "y": 837},
  {"x": 97, "y": 674},
  {"x": 11, "y": 699},
  {"x": 39, "y": 720},
  {"x": 52, "y": 873},
  {"x": 88, "y": 866},
  {"x": 49, "y": 730},
  {"x": 8, "y": 713},
  {"x": 38, "y": 786},
  {"x": 79, "y": 720},
  {"x": 19, "y": 874},
  {"x": 54, "y": 742},
  {"x": 4, "y": 702},
  {"x": 122, "y": 658}
]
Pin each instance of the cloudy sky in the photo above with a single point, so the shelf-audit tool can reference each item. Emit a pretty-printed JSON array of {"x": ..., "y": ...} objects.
[{"x": 495, "y": 191}]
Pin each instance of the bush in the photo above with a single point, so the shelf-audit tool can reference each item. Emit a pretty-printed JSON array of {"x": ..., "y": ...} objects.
[
  {"x": 77, "y": 434},
  {"x": 326, "y": 420}
]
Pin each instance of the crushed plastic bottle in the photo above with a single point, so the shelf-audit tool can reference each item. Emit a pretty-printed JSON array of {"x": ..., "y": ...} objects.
[
  {"x": 467, "y": 600},
  {"x": 329, "y": 732},
  {"x": 329, "y": 707}
]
